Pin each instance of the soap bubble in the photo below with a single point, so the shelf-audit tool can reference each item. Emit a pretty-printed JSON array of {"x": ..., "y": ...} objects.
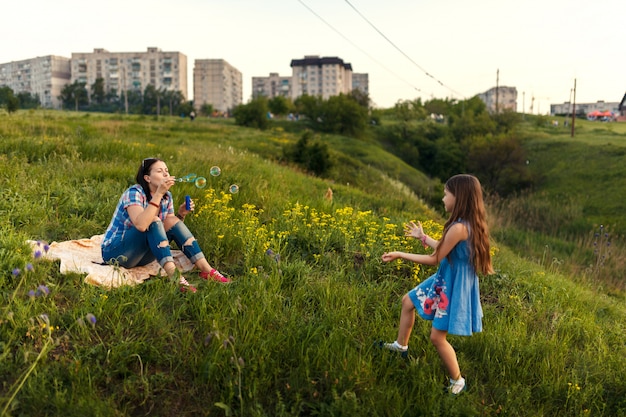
[
  {"x": 215, "y": 171},
  {"x": 200, "y": 182},
  {"x": 234, "y": 189},
  {"x": 187, "y": 178}
]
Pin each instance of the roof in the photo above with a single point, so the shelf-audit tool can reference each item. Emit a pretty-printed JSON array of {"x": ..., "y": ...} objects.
[{"x": 328, "y": 60}]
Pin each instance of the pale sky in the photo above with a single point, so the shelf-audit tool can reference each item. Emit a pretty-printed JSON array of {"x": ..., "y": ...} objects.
[{"x": 409, "y": 48}]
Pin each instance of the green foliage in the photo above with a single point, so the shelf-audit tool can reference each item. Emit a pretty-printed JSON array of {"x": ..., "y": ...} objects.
[
  {"x": 28, "y": 100},
  {"x": 470, "y": 119},
  {"x": 294, "y": 333},
  {"x": 206, "y": 109},
  {"x": 254, "y": 114},
  {"x": 501, "y": 164},
  {"x": 8, "y": 100},
  {"x": 280, "y": 105},
  {"x": 74, "y": 95},
  {"x": 341, "y": 114},
  {"x": 313, "y": 157},
  {"x": 465, "y": 143}
]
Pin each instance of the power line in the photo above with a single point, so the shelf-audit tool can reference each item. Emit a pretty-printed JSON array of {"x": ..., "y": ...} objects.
[
  {"x": 356, "y": 46},
  {"x": 400, "y": 50}
]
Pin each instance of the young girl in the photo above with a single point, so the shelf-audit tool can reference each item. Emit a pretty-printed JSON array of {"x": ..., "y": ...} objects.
[
  {"x": 450, "y": 298},
  {"x": 144, "y": 223}
]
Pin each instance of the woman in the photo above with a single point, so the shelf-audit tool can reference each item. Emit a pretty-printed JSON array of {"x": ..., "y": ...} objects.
[{"x": 144, "y": 223}]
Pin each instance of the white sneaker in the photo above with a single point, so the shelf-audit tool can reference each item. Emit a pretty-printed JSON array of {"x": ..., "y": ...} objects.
[
  {"x": 457, "y": 386},
  {"x": 395, "y": 347}
]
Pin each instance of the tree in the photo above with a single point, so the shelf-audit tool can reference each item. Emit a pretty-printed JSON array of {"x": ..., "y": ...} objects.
[
  {"x": 206, "y": 109},
  {"x": 314, "y": 157},
  {"x": 8, "y": 99},
  {"x": 308, "y": 106},
  {"x": 28, "y": 101},
  {"x": 253, "y": 114},
  {"x": 280, "y": 105},
  {"x": 174, "y": 100},
  {"x": 151, "y": 100},
  {"x": 97, "y": 91},
  {"x": 74, "y": 94},
  {"x": 469, "y": 118},
  {"x": 439, "y": 106},
  {"x": 341, "y": 114},
  {"x": 500, "y": 163},
  {"x": 361, "y": 97}
]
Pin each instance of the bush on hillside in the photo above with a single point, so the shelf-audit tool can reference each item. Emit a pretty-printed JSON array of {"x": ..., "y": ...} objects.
[
  {"x": 253, "y": 114},
  {"x": 313, "y": 157}
]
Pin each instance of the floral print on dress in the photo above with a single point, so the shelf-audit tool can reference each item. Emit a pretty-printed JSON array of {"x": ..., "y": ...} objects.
[{"x": 437, "y": 302}]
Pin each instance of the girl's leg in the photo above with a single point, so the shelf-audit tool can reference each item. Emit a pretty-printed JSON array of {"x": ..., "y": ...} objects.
[
  {"x": 446, "y": 352},
  {"x": 407, "y": 320}
]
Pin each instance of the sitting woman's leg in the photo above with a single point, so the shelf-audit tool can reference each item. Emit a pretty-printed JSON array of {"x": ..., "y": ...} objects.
[
  {"x": 182, "y": 236},
  {"x": 133, "y": 250}
]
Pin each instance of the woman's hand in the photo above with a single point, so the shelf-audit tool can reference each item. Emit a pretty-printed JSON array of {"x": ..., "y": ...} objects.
[
  {"x": 414, "y": 230},
  {"x": 182, "y": 209},
  {"x": 165, "y": 185}
]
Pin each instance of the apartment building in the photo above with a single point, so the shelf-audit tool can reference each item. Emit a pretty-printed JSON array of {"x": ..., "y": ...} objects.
[
  {"x": 217, "y": 83},
  {"x": 325, "y": 77},
  {"x": 131, "y": 70},
  {"x": 361, "y": 82},
  {"x": 583, "y": 108},
  {"x": 272, "y": 86},
  {"x": 43, "y": 76},
  {"x": 498, "y": 99}
]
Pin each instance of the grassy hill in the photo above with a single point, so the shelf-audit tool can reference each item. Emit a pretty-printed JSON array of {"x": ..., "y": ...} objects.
[{"x": 295, "y": 334}]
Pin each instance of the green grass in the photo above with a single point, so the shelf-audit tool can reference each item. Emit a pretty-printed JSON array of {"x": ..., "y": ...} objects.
[
  {"x": 290, "y": 336},
  {"x": 581, "y": 188}
]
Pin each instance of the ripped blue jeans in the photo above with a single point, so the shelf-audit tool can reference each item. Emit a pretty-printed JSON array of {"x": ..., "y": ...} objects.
[{"x": 140, "y": 248}]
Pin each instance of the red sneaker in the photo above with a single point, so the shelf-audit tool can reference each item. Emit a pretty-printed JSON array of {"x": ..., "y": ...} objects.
[
  {"x": 214, "y": 275},
  {"x": 186, "y": 286}
]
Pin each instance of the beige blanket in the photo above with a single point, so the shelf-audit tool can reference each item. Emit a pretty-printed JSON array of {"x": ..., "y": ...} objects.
[{"x": 85, "y": 256}]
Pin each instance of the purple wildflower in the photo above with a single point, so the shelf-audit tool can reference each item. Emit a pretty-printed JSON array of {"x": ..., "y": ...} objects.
[
  {"x": 29, "y": 267},
  {"x": 16, "y": 272},
  {"x": 38, "y": 254},
  {"x": 43, "y": 290},
  {"x": 91, "y": 318}
]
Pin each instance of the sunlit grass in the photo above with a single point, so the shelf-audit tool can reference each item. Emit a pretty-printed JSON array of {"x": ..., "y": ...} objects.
[{"x": 294, "y": 333}]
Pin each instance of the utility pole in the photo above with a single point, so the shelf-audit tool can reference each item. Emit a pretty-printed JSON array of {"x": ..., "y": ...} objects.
[
  {"x": 574, "y": 108},
  {"x": 497, "y": 85},
  {"x": 125, "y": 89}
]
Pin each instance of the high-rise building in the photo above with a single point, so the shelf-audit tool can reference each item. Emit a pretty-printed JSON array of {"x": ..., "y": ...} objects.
[
  {"x": 361, "y": 82},
  {"x": 131, "y": 70},
  {"x": 325, "y": 77},
  {"x": 498, "y": 99},
  {"x": 217, "y": 83},
  {"x": 271, "y": 86},
  {"x": 42, "y": 76}
]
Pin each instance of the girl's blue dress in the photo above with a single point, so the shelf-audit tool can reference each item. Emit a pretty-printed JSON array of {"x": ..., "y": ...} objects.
[{"x": 451, "y": 297}]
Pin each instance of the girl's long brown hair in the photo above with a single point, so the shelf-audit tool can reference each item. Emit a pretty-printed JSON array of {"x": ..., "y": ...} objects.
[{"x": 470, "y": 207}]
